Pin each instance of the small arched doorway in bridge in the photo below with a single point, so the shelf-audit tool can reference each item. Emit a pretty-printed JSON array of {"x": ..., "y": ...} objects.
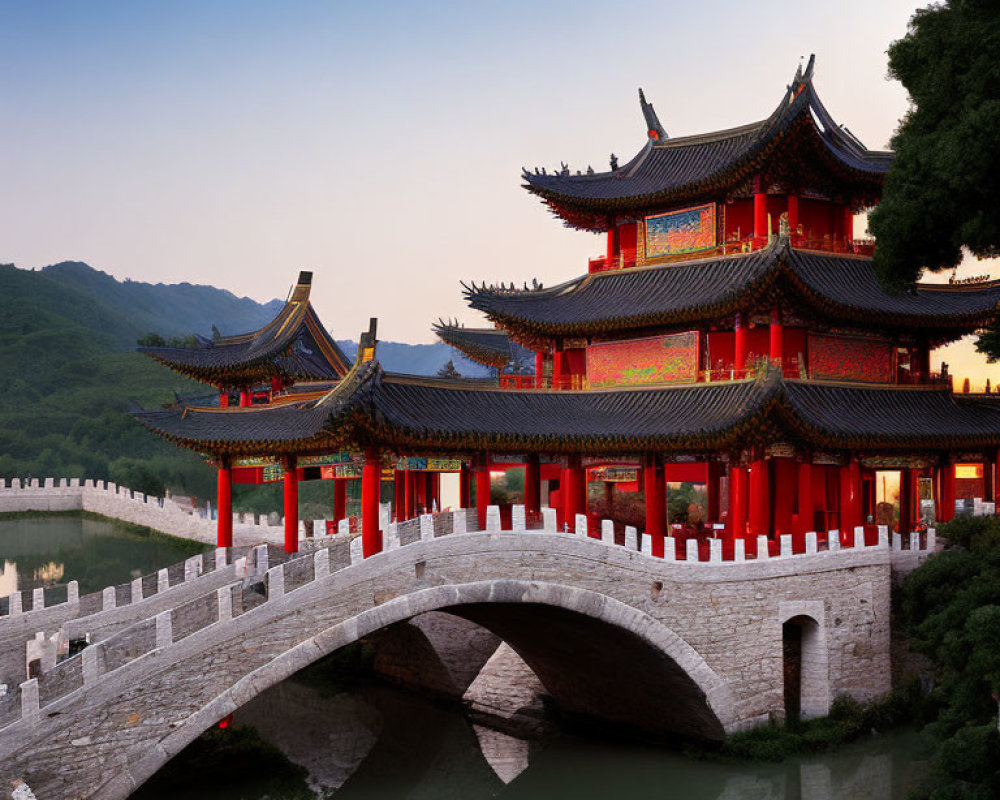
[{"x": 804, "y": 668}]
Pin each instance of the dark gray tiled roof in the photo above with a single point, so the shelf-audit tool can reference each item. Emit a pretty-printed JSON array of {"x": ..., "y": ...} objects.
[
  {"x": 678, "y": 166},
  {"x": 631, "y": 298},
  {"x": 486, "y": 345},
  {"x": 410, "y": 411}
]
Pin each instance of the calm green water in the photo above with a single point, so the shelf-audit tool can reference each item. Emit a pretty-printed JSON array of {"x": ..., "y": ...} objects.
[
  {"x": 372, "y": 742},
  {"x": 36, "y": 551}
]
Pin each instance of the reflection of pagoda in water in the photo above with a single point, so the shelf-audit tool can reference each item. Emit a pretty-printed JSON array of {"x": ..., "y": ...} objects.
[{"x": 733, "y": 335}]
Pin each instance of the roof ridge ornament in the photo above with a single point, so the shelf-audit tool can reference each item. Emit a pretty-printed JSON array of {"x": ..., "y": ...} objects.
[{"x": 654, "y": 130}]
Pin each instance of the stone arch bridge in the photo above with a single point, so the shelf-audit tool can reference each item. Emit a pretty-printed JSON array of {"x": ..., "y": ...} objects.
[{"x": 672, "y": 647}]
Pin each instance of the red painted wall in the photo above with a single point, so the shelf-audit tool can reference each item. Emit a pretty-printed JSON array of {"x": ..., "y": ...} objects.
[
  {"x": 720, "y": 348},
  {"x": 627, "y": 242},
  {"x": 686, "y": 473},
  {"x": 739, "y": 217},
  {"x": 820, "y": 217},
  {"x": 575, "y": 361}
]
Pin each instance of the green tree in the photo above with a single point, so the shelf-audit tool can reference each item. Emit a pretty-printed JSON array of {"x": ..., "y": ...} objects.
[{"x": 942, "y": 193}]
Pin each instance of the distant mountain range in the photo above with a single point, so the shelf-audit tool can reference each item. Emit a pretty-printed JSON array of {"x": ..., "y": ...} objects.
[
  {"x": 72, "y": 294},
  {"x": 70, "y": 372}
]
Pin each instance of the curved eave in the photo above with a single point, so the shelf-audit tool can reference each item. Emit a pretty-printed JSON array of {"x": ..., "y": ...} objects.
[
  {"x": 852, "y": 163},
  {"x": 780, "y": 272}
]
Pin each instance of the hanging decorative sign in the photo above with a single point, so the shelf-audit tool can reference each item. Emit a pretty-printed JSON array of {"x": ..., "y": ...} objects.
[
  {"x": 615, "y": 474},
  {"x": 637, "y": 362},
  {"x": 430, "y": 464},
  {"x": 781, "y": 450},
  {"x": 894, "y": 462},
  {"x": 827, "y": 459},
  {"x": 685, "y": 231}
]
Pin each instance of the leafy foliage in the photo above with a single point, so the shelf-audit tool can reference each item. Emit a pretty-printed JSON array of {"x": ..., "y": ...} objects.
[
  {"x": 952, "y": 605},
  {"x": 943, "y": 191}
]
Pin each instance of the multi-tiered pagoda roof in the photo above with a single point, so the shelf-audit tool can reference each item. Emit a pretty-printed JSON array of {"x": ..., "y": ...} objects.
[
  {"x": 798, "y": 143},
  {"x": 293, "y": 347}
]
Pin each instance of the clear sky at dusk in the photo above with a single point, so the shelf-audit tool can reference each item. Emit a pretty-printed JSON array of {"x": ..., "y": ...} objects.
[{"x": 378, "y": 144}]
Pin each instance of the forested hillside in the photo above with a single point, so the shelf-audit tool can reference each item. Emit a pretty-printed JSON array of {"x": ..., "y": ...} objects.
[{"x": 69, "y": 372}]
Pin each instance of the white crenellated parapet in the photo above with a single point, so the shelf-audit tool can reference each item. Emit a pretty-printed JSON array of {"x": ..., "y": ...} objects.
[
  {"x": 225, "y": 596},
  {"x": 392, "y": 536},
  {"x": 136, "y": 594},
  {"x": 427, "y": 526},
  {"x": 517, "y": 518},
  {"x": 165, "y": 628},
  {"x": 691, "y": 550},
  {"x": 458, "y": 521},
  {"x": 859, "y": 537},
  {"x": 646, "y": 544},
  {"x": 192, "y": 568},
  {"x": 715, "y": 550},
  {"x": 30, "y": 705},
  {"x": 108, "y": 599},
  {"x": 276, "y": 577},
  {"x": 631, "y": 538},
  {"x": 221, "y": 557},
  {"x": 37, "y": 598},
  {"x": 492, "y": 519},
  {"x": 670, "y": 548},
  {"x": 914, "y": 541},
  {"x": 580, "y": 525},
  {"x": 739, "y": 550},
  {"x": 162, "y": 581},
  {"x": 833, "y": 540},
  {"x": 549, "y": 520},
  {"x": 883, "y": 537},
  {"x": 931, "y": 540},
  {"x": 321, "y": 558},
  {"x": 607, "y": 531},
  {"x": 786, "y": 545},
  {"x": 812, "y": 543},
  {"x": 897, "y": 542},
  {"x": 343, "y": 527},
  {"x": 73, "y": 593},
  {"x": 357, "y": 550},
  {"x": 762, "y": 548},
  {"x": 92, "y": 663}
]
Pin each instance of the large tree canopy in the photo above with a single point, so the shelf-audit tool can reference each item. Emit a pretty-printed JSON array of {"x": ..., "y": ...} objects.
[{"x": 942, "y": 193}]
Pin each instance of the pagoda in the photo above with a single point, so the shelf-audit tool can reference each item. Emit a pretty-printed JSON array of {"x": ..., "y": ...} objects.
[{"x": 733, "y": 334}]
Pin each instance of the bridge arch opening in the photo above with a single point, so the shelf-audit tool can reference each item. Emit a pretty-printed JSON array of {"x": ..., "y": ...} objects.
[{"x": 806, "y": 675}]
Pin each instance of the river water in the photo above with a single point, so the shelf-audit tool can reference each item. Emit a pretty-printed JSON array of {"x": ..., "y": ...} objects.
[{"x": 350, "y": 738}]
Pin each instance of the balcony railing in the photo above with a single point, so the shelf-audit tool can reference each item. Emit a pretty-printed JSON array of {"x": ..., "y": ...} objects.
[
  {"x": 791, "y": 368},
  {"x": 826, "y": 244}
]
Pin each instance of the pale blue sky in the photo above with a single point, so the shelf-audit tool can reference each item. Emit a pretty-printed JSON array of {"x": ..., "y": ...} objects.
[{"x": 378, "y": 144}]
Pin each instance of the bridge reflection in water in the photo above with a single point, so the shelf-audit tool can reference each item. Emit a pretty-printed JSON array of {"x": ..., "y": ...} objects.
[{"x": 375, "y": 741}]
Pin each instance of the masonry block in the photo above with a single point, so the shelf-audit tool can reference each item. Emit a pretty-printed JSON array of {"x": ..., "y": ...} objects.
[
  {"x": 492, "y": 519},
  {"x": 607, "y": 531},
  {"x": 715, "y": 550},
  {"x": 108, "y": 599},
  {"x": 739, "y": 550},
  {"x": 631, "y": 538},
  {"x": 646, "y": 544},
  {"x": 691, "y": 550},
  {"x": 276, "y": 578},
  {"x": 37, "y": 598},
  {"x": 580, "y": 525},
  {"x": 549, "y": 520},
  {"x": 427, "y": 526},
  {"x": 165, "y": 628},
  {"x": 859, "y": 537},
  {"x": 518, "y": 520},
  {"x": 458, "y": 520},
  {"x": 812, "y": 543},
  {"x": 136, "y": 594},
  {"x": 762, "y": 551},
  {"x": 786, "y": 544}
]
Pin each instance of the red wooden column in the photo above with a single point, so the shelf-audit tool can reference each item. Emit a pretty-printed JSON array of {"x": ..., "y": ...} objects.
[
  {"x": 988, "y": 479},
  {"x": 246, "y": 398},
  {"x": 848, "y": 225},
  {"x": 371, "y": 491},
  {"x": 482, "y": 490},
  {"x": 736, "y": 526},
  {"x": 420, "y": 493},
  {"x": 557, "y": 369},
  {"x": 793, "y": 214},
  {"x": 740, "y": 349},
  {"x": 759, "y": 212},
  {"x": 399, "y": 493},
  {"x": 464, "y": 486},
  {"x": 785, "y": 490},
  {"x": 777, "y": 338},
  {"x": 224, "y": 503},
  {"x": 532, "y": 485},
  {"x": 806, "y": 508},
  {"x": 291, "y": 506},
  {"x": 850, "y": 498},
  {"x": 655, "y": 486},
  {"x": 946, "y": 512},
  {"x": 223, "y": 397},
  {"x": 759, "y": 518},
  {"x": 905, "y": 501},
  {"x": 539, "y": 369},
  {"x": 712, "y": 474},
  {"x": 339, "y": 501},
  {"x": 408, "y": 492},
  {"x": 612, "y": 247}
]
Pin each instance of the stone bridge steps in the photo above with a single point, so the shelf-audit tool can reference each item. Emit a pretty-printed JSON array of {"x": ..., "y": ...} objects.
[{"x": 197, "y": 661}]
